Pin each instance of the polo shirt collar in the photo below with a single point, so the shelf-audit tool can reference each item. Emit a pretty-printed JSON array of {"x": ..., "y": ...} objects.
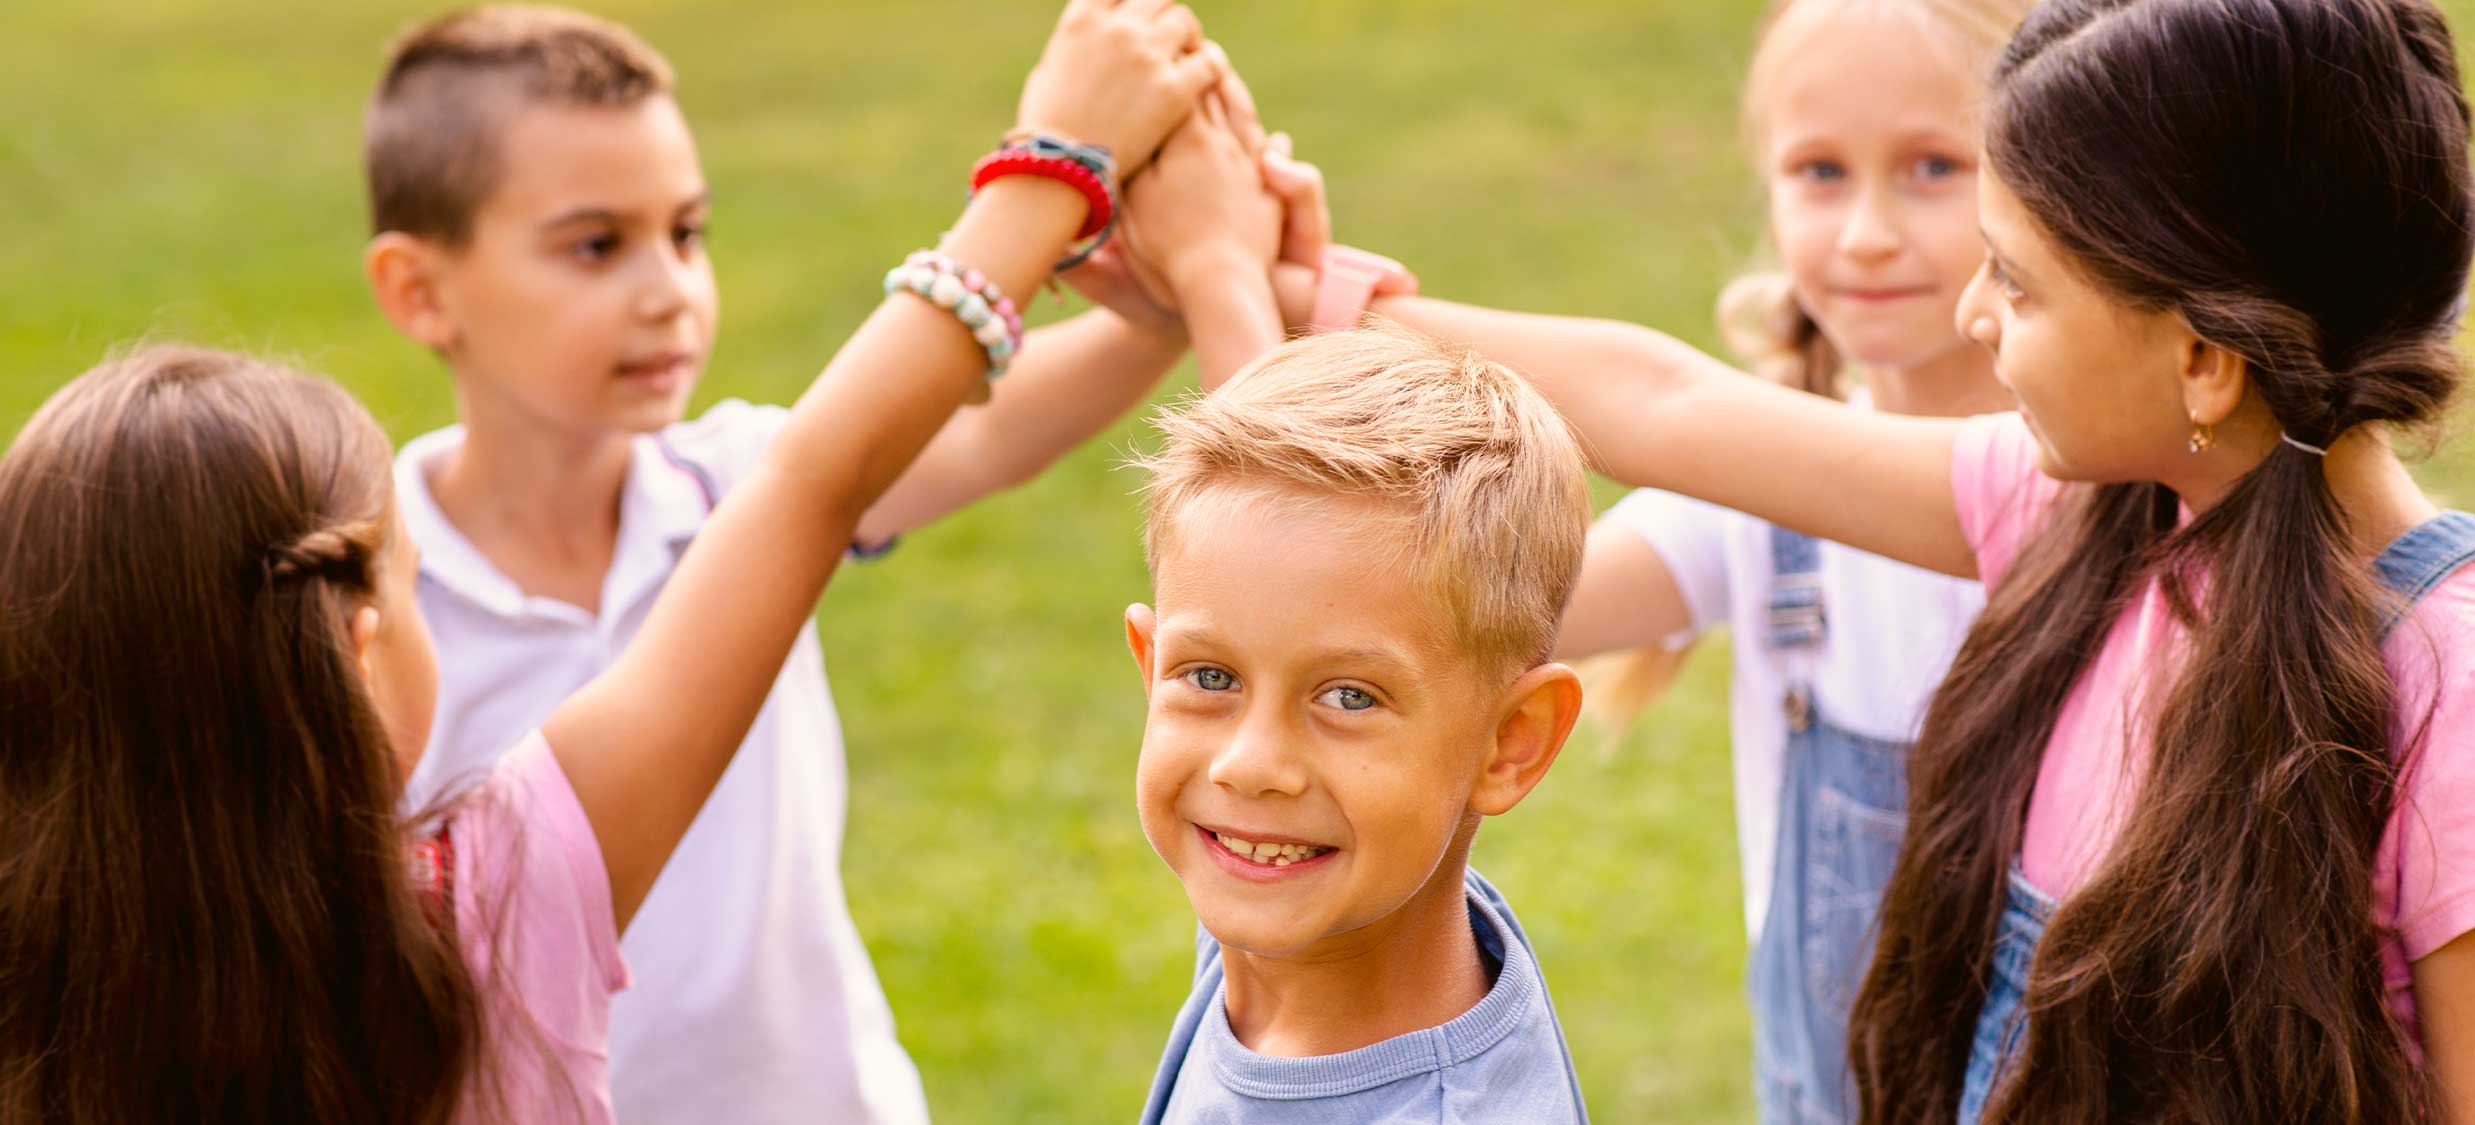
[{"x": 661, "y": 504}]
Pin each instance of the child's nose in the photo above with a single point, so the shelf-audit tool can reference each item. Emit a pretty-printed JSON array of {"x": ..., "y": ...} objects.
[
  {"x": 1872, "y": 231},
  {"x": 1258, "y": 762},
  {"x": 1974, "y": 318},
  {"x": 665, "y": 288}
]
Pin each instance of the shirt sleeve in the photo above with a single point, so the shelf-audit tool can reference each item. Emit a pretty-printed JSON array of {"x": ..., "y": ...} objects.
[
  {"x": 1690, "y": 536},
  {"x": 2001, "y": 495},
  {"x": 532, "y": 898},
  {"x": 2427, "y": 861}
]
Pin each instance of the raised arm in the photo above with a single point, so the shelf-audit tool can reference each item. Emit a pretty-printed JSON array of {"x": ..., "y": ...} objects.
[
  {"x": 644, "y": 743},
  {"x": 1653, "y": 411},
  {"x": 1203, "y": 222},
  {"x": 1074, "y": 379},
  {"x": 1625, "y": 598}
]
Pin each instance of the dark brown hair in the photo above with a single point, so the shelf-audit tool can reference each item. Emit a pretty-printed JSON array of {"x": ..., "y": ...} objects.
[
  {"x": 430, "y": 141},
  {"x": 206, "y": 903},
  {"x": 2290, "y": 177}
]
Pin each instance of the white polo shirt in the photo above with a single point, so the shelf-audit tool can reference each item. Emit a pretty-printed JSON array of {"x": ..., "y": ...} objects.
[{"x": 753, "y": 999}]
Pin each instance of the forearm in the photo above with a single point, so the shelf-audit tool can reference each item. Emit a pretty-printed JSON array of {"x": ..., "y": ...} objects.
[
  {"x": 1073, "y": 380},
  {"x": 1652, "y": 411},
  {"x": 1607, "y": 377},
  {"x": 1231, "y": 314},
  {"x": 679, "y": 699},
  {"x": 1614, "y": 382}
]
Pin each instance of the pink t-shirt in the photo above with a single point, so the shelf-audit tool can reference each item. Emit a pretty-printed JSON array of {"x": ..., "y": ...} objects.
[
  {"x": 2424, "y": 878},
  {"x": 532, "y": 911}
]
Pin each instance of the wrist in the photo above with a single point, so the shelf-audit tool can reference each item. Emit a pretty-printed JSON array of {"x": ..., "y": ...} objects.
[
  {"x": 1024, "y": 210},
  {"x": 1293, "y": 288},
  {"x": 1347, "y": 280},
  {"x": 1209, "y": 268}
]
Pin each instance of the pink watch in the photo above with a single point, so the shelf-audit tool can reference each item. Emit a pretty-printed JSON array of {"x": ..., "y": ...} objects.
[{"x": 1348, "y": 280}]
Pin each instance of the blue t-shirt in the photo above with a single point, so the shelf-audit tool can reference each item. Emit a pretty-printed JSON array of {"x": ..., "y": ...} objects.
[{"x": 1503, "y": 1060}]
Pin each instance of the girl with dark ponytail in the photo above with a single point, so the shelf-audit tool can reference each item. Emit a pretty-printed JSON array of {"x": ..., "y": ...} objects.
[{"x": 2191, "y": 825}]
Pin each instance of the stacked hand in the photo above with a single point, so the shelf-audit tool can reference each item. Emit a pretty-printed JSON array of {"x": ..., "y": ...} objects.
[
  {"x": 1223, "y": 196},
  {"x": 1119, "y": 73}
]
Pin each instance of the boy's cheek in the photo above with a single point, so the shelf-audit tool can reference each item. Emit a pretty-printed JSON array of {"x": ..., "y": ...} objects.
[{"x": 1155, "y": 796}]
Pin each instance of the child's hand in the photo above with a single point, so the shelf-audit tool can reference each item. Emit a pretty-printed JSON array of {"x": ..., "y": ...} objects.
[
  {"x": 1115, "y": 279},
  {"x": 1307, "y": 223},
  {"x": 1202, "y": 209},
  {"x": 1307, "y": 228},
  {"x": 1119, "y": 73}
]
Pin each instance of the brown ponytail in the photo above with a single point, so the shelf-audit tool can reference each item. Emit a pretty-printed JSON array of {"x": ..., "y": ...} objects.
[
  {"x": 2223, "y": 963},
  {"x": 206, "y": 909}
]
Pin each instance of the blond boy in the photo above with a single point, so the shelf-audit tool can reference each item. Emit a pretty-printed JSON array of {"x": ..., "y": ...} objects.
[
  {"x": 539, "y": 209},
  {"x": 1360, "y": 550}
]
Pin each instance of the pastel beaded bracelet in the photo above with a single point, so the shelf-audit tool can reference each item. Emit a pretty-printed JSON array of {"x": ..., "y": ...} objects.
[{"x": 970, "y": 296}]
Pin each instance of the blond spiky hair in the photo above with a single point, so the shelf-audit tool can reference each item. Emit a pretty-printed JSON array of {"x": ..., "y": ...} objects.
[{"x": 1488, "y": 477}]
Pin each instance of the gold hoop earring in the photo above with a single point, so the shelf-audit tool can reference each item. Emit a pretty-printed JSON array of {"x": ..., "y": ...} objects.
[{"x": 2203, "y": 436}]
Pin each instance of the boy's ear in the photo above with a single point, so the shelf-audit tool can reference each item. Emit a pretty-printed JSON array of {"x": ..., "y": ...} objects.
[
  {"x": 1139, "y": 625},
  {"x": 403, "y": 276},
  {"x": 1539, "y": 712}
]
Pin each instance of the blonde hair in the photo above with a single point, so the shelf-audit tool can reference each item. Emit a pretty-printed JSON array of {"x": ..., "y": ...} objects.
[
  {"x": 1488, "y": 476},
  {"x": 430, "y": 138},
  {"x": 1759, "y": 316}
]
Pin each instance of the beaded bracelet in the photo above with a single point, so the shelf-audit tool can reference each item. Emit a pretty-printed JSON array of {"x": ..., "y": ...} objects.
[
  {"x": 1088, "y": 169},
  {"x": 970, "y": 296}
]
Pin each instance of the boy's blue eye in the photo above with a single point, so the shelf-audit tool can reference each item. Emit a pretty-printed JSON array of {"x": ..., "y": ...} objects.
[
  {"x": 1823, "y": 171},
  {"x": 1349, "y": 698},
  {"x": 1937, "y": 167},
  {"x": 1211, "y": 679}
]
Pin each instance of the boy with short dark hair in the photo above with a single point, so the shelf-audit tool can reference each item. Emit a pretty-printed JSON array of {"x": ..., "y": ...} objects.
[{"x": 538, "y": 211}]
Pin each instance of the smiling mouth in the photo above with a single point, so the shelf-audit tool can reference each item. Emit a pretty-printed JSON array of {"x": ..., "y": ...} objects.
[
  {"x": 1266, "y": 853},
  {"x": 656, "y": 367}
]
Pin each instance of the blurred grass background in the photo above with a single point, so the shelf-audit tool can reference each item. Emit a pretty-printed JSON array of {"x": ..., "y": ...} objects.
[{"x": 190, "y": 169}]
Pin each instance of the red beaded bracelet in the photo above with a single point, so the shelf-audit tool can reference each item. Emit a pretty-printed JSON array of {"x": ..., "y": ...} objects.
[{"x": 1017, "y": 162}]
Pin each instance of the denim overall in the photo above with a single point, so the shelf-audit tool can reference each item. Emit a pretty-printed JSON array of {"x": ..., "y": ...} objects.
[
  {"x": 2407, "y": 568},
  {"x": 1842, "y": 808}
]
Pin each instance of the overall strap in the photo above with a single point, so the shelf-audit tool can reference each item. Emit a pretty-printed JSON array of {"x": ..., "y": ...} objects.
[
  {"x": 2412, "y": 564},
  {"x": 1796, "y": 617},
  {"x": 433, "y": 873},
  {"x": 1797, "y": 621}
]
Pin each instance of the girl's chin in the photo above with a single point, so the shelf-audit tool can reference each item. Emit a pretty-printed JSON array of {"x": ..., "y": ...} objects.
[{"x": 1903, "y": 354}]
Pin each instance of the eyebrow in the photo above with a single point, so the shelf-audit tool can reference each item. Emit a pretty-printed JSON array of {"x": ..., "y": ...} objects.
[
  {"x": 1204, "y": 637},
  {"x": 1365, "y": 654},
  {"x": 599, "y": 214}
]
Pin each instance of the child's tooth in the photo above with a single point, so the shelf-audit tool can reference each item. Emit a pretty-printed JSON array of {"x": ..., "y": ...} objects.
[{"x": 1234, "y": 844}]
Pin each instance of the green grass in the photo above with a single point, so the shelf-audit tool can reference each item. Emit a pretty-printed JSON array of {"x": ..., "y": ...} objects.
[{"x": 187, "y": 169}]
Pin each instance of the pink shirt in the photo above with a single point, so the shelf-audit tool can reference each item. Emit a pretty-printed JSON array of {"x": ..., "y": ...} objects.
[
  {"x": 532, "y": 911},
  {"x": 2424, "y": 878}
]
